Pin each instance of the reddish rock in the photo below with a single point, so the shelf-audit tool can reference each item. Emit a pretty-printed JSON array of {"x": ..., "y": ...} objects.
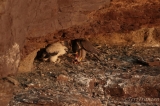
[
  {"x": 134, "y": 91},
  {"x": 6, "y": 92},
  {"x": 152, "y": 92},
  {"x": 30, "y": 25},
  {"x": 63, "y": 78},
  {"x": 145, "y": 86},
  {"x": 154, "y": 63},
  {"x": 115, "y": 92},
  {"x": 88, "y": 101}
]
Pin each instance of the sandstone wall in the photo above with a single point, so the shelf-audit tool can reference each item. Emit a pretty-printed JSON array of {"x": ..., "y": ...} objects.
[
  {"x": 24, "y": 19},
  {"x": 124, "y": 21},
  {"x": 27, "y": 25}
]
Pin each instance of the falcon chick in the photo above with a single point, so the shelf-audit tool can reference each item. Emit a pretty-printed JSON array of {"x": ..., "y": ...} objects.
[{"x": 53, "y": 51}]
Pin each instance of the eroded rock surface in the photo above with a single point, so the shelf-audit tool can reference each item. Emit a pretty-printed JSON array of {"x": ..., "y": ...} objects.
[
  {"x": 32, "y": 19},
  {"x": 120, "y": 22},
  {"x": 128, "y": 75},
  {"x": 123, "y": 77},
  {"x": 33, "y": 24}
]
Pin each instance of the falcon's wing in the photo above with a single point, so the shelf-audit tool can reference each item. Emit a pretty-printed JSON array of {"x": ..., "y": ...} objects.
[{"x": 88, "y": 46}]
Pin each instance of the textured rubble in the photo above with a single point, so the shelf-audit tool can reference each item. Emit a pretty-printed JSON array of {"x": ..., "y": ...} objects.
[{"x": 119, "y": 79}]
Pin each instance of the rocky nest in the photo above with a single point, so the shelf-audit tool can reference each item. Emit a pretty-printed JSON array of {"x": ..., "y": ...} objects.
[{"x": 126, "y": 76}]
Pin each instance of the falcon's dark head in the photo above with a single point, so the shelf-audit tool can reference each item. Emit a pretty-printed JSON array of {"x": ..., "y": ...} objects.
[{"x": 86, "y": 45}]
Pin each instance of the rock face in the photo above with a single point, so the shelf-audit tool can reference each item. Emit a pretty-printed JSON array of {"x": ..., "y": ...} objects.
[
  {"x": 127, "y": 75},
  {"x": 33, "y": 19},
  {"x": 31, "y": 24}
]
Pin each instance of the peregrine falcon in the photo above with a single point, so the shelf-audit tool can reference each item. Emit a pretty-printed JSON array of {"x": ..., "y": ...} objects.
[
  {"x": 80, "y": 46},
  {"x": 53, "y": 51}
]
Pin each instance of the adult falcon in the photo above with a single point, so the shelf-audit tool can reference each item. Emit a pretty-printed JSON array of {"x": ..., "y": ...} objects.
[{"x": 80, "y": 46}]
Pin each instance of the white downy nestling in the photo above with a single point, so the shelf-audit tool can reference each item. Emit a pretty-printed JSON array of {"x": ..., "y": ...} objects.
[{"x": 55, "y": 50}]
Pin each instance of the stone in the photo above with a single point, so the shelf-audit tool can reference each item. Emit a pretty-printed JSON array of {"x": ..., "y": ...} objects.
[
  {"x": 27, "y": 63},
  {"x": 29, "y": 25}
]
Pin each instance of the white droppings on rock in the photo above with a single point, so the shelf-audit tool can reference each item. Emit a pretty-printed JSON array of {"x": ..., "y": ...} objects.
[
  {"x": 136, "y": 76},
  {"x": 109, "y": 82},
  {"x": 83, "y": 80}
]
